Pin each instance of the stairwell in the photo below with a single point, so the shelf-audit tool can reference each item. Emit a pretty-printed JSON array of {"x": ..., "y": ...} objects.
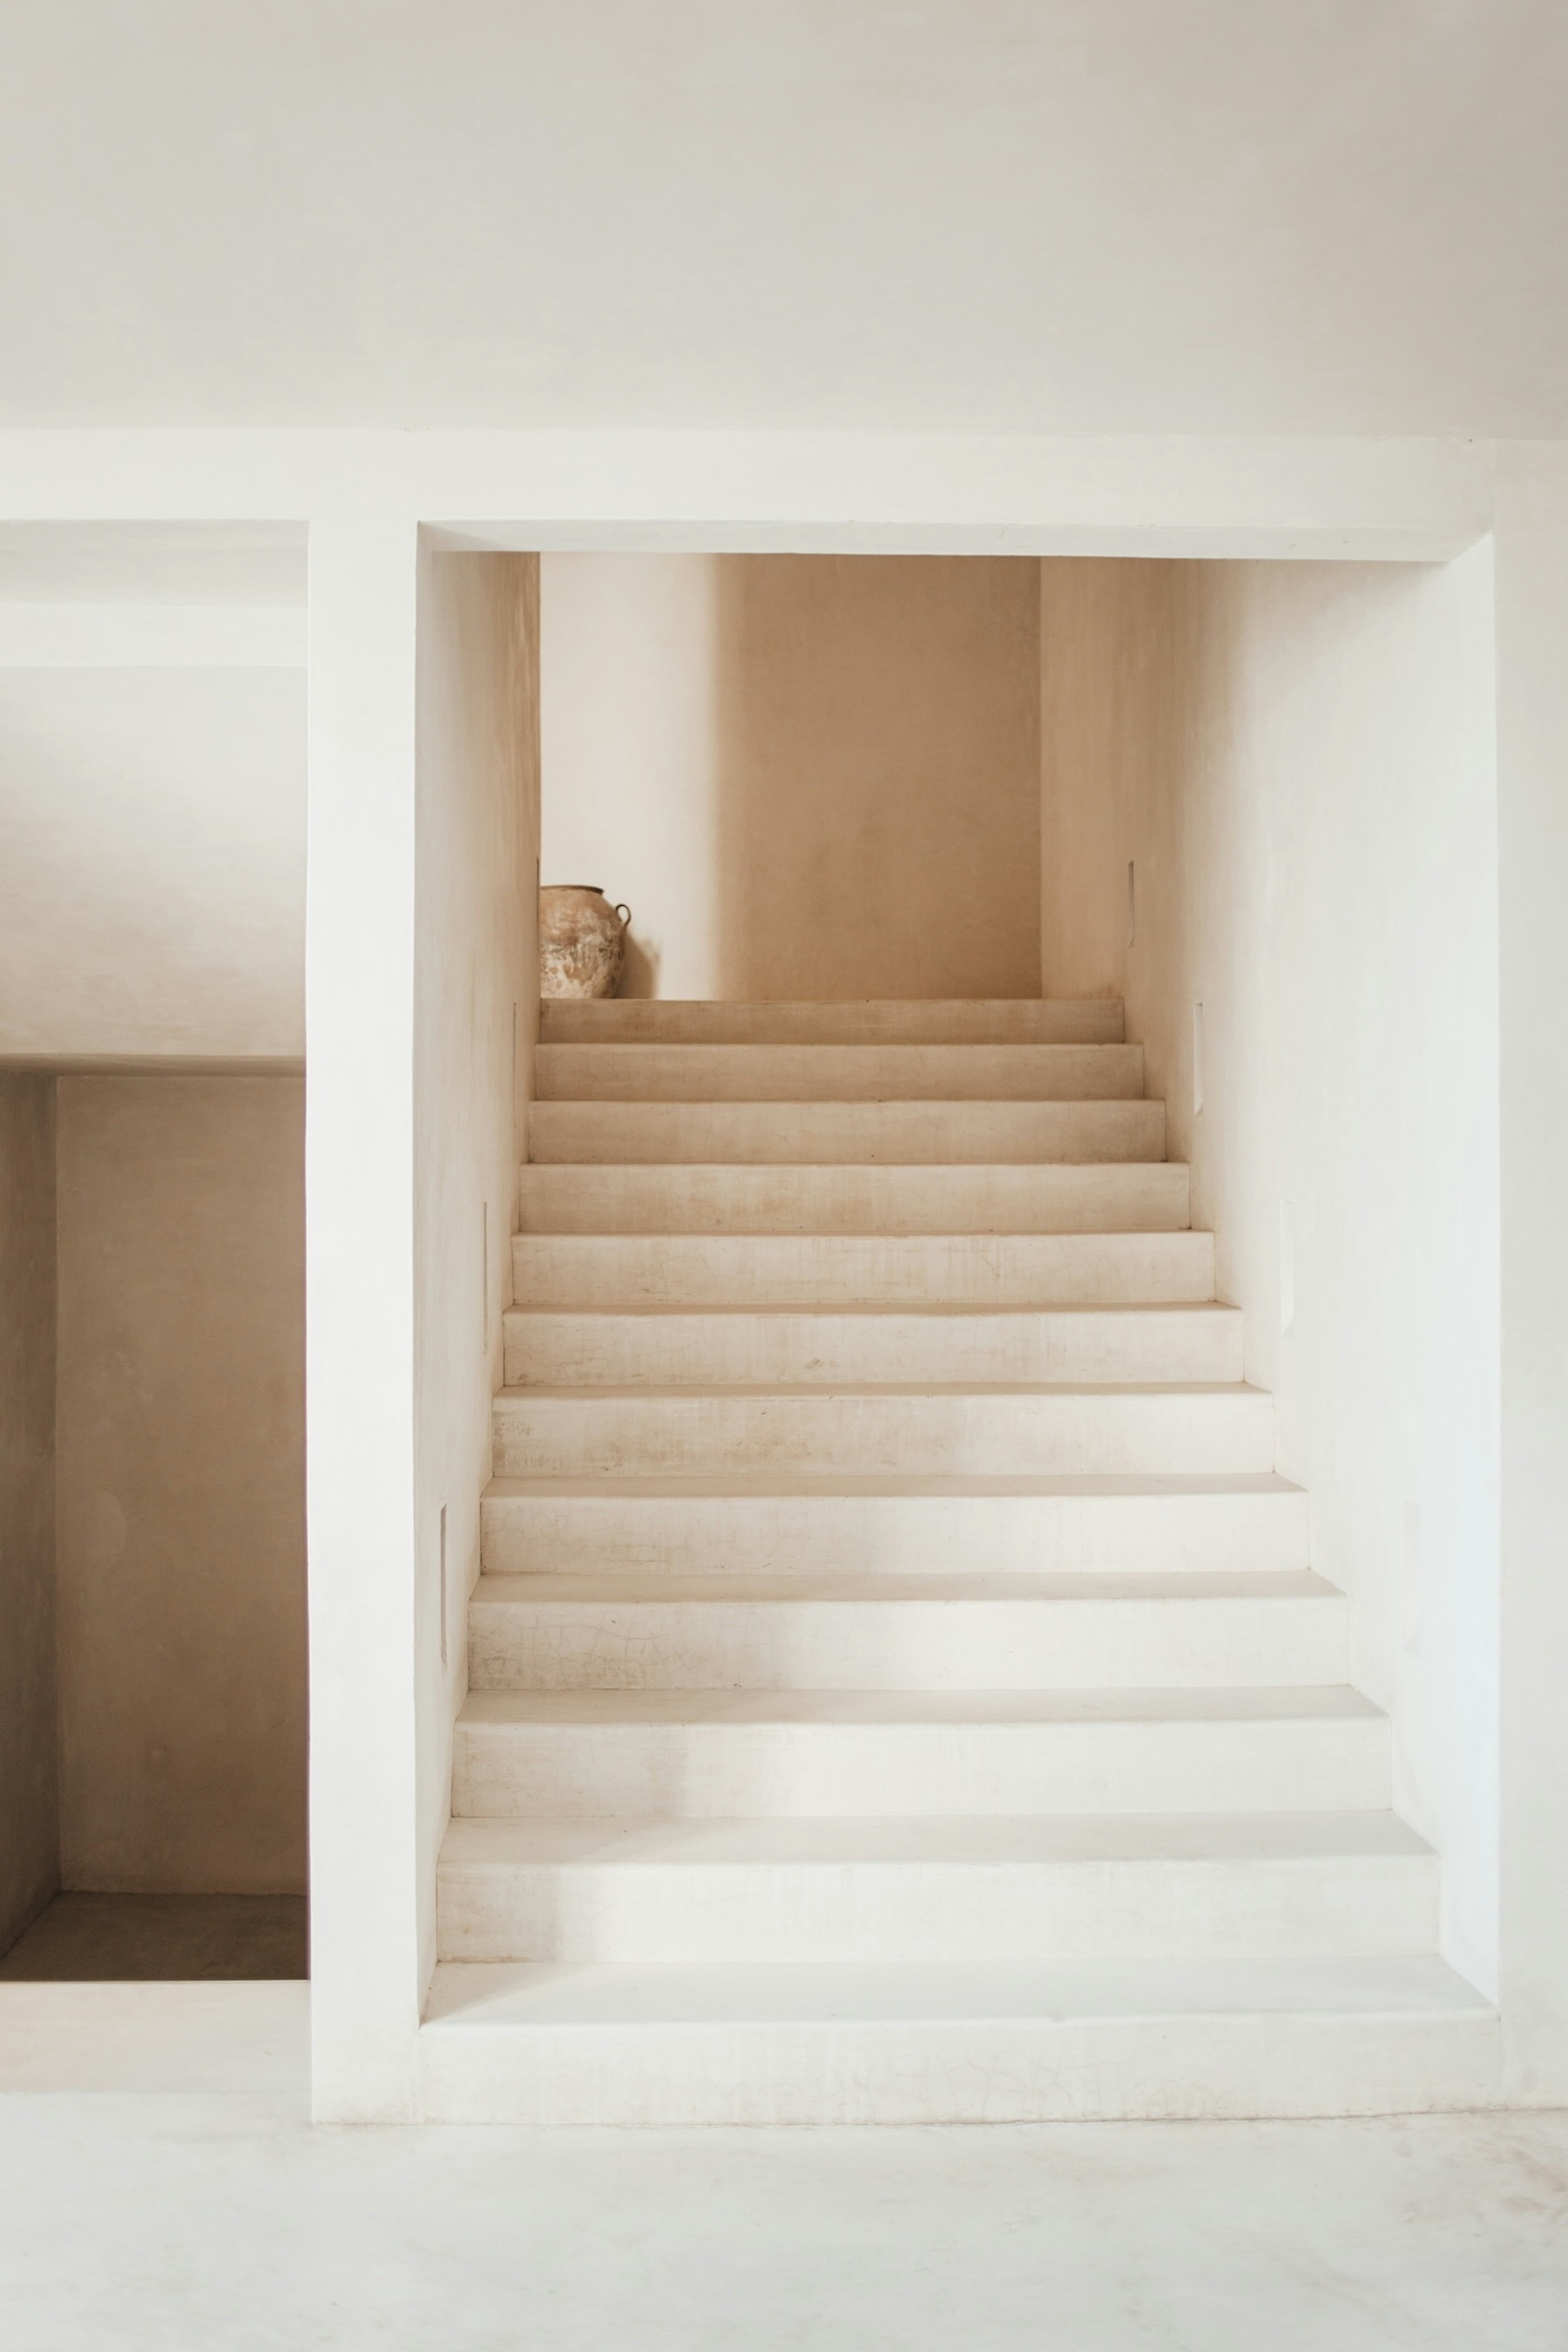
[{"x": 899, "y": 1687}]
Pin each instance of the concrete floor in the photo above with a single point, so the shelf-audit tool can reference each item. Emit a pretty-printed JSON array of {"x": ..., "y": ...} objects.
[
  {"x": 137, "y": 1937},
  {"x": 166, "y": 2221}
]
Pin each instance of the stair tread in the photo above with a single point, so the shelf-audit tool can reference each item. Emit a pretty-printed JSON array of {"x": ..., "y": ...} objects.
[
  {"x": 645, "y": 1238},
  {"x": 816, "y": 1391},
  {"x": 765, "y": 1049},
  {"x": 986, "y": 1840},
  {"x": 884, "y": 1132},
  {"x": 1328, "y": 1702},
  {"x": 735, "y": 1170},
  {"x": 984, "y": 1269},
  {"x": 771, "y": 1484},
  {"x": 843, "y": 1310},
  {"x": 616, "y": 1012},
  {"x": 965, "y": 1237},
  {"x": 609, "y": 1007},
  {"x": 853, "y": 1103},
  {"x": 466, "y": 1995},
  {"x": 842, "y": 1054},
  {"x": 939, "y": 1587}
]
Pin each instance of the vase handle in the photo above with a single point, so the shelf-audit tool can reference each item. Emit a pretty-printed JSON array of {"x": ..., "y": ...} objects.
[{"x": 625, "y": 915}]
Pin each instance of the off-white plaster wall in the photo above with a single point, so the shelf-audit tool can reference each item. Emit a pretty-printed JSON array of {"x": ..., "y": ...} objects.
[
  {"x": 1532, "y": 860},
  {"x": 1301, "y": 765},
  {"x": 476, "y": 1021},
  {"x": 153, "y": 890},
  {"x": 180, "y": 1462},
  {"x": 954, "y": 492},
  {"x": 29, "y": 1792},
  {"x": 630, "y": 753},
  {"x": 1099, "y": 215},
  {"x": 359, "y": 1323},
  {"x": 1102, "y": 670},
  {"x": 809, "y": 776}
]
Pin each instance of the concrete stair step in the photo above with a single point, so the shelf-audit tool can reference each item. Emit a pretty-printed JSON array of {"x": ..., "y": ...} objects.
[
  {"x": 1128, "y": 1196},
  {"x": 897, "y": 1687},
  {"x": 724, "y": 1754},
  {"x": 936, "y": 1021},
  {"x": 963, "y": 1631},
  {"x": 880, "y": 1527},
  {"x": 1057, "y": 1887},
  {"x": 979, "y": 1269},
  {"x": 953, "y": 1430},
  {"x": 764, "y": 1347},
  {"x": 846, "y": 1133},
  {"x": 652, "y": 2042},
  {"x": 699, "y": 1073}
]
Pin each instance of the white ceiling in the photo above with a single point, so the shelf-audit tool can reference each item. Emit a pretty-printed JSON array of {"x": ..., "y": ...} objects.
[{"x": 999, "y": 215}]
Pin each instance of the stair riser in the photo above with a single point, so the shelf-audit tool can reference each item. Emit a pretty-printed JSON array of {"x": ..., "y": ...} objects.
[
  {"x": 699, "y": 1073},
  {"x": 964, "y": 2070},
  {"x": 891, "y": 1534},
  {"x": 568, "y": 1270},
  {"x": 996, "y": 1021},
  {"x": 907, "y": 1645},
  {"x": 730, "y": 1771},
  {"x": 550, "y": 1350},
  {"x": 1140, "y": 1197},
  {"x": 1070, "y": 1434},
  {"x": 1349, "y": 1906},
  {"x": 777, "y": 1133}
]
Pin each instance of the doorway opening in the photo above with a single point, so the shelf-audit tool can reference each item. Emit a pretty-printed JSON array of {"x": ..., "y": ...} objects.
[{"x": 152, "y": 1664}]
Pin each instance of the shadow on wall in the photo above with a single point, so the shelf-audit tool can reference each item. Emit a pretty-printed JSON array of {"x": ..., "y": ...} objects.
[
  {"x": 878, "y": 766},
  {"x": 152, "y": 1616},
  {"x": 639, "y": 977},
  {"x": 29, "y": 1761},
  {"x": 180, "y": 1478}
]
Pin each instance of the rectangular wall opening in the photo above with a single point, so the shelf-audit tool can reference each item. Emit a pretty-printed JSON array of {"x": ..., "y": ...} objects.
[
  {"x": 152, "y": 1654},
  {"x": 1154, "y": 896}
]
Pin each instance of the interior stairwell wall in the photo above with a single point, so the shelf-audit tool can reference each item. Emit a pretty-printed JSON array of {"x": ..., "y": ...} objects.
[
  {"x": 809, "y": 776},
  {"x": 1300, "y": 766},
  {"x": 29, "y": 1792},
  {"x": 1531, "y": 543},
  {"x": 181, "y": 1483},
  {"x": 476, "y": 1024},
  {"x": 1102, "y": 637}
]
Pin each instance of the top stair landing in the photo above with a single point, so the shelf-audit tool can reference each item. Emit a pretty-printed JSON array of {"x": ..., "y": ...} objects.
[{"x": 960, "y": 1021}]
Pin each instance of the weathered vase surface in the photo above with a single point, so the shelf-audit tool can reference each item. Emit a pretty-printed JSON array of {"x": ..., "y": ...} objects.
[{"x": 582, "y": 941}]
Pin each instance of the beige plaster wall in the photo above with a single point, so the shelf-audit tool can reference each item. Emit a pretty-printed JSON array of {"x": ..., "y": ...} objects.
[
  {"x": 180, "y": 1456},
  {"x": 1300, "y": 761},
  {"x": 809, "y": 776},
  {"x": 1102, "y": 671},
  {"x": 476, "y": 1021},
  {"x": 29, "y": 1795}
]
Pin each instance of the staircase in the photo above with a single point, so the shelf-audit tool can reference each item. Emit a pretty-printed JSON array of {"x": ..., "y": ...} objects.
[{"x": 899, "y": 1691}]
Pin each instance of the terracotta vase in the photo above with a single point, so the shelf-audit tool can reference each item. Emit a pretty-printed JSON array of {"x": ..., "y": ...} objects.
[{"x": 582, "y": 941}]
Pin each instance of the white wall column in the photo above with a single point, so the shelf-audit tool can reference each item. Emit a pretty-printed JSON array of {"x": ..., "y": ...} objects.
[{"x": 359, "y": 1160}]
